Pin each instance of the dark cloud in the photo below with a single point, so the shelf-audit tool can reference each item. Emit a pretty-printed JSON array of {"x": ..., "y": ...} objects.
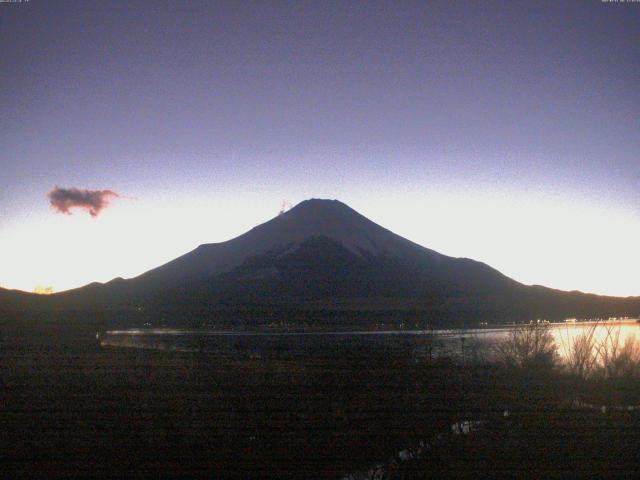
[{"x": 93, "y": 201}]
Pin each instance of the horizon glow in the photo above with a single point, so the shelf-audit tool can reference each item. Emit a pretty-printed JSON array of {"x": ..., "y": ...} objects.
[{"x": 535, "y": 241}]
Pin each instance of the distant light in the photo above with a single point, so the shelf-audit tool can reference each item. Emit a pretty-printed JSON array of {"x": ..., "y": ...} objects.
[{"x": 43, "y": 290}]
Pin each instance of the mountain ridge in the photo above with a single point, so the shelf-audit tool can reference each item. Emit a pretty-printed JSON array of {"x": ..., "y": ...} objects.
[{"x": 320, "y": 254}]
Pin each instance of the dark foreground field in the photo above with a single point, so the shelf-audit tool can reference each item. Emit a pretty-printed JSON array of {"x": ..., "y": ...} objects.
[{"x": 69, "y": 408}]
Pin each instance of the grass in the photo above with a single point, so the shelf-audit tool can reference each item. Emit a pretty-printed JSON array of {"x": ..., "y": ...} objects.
[{"x": 71, "y": 409}]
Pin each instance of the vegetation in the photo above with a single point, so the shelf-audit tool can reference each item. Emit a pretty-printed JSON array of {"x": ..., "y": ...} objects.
[
  {"x": 546, "y": 415},
  {"x": 72, "y": 409},
  {"x": 599, "y": 353},
  {"x": 529, "y": 347}
]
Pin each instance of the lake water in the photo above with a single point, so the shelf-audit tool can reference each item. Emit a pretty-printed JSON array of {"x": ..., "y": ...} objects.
[{"x": 465, "y": 342}]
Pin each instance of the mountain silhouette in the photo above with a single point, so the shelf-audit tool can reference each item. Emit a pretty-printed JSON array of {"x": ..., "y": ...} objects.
[
  {"x": 310, "y": 221},
  {"x": 323, "y": 256}
]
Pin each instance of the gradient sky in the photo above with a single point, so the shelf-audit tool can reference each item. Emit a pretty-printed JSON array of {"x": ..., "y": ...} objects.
[{"x": 507, "y": 132}]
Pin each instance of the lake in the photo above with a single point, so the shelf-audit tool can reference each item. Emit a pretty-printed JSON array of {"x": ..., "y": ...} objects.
[{"x": 462, "y": 342}]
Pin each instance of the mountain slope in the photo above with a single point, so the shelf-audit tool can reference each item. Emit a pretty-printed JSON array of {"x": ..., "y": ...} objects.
[
  {"x": 320, "y": 238},
  {"x": 311, "y": 218}
]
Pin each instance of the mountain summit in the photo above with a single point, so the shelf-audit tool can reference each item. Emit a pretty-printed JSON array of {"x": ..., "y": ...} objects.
[{"x": 315, "y": 218}]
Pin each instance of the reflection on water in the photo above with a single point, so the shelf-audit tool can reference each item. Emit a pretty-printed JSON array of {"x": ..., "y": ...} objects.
[
  {"x": 606, "y": 333},
  {"x": 566, "y": 334},
  {"x": 468, "y": 343}
]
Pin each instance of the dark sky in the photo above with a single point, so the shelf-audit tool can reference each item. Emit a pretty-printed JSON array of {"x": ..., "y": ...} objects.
[{"x": 389, "y": 106}]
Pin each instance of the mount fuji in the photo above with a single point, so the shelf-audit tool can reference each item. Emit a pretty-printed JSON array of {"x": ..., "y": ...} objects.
[{"x": 323, "y": 256}]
